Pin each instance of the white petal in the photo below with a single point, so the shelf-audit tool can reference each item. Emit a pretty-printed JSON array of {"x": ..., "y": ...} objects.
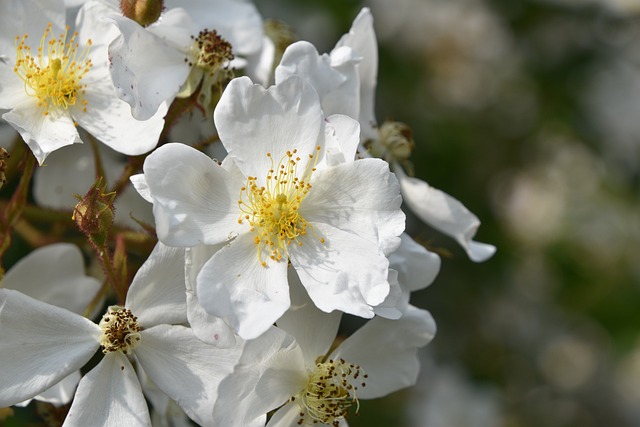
[
  {"x": 444, "y": 213},
  {"x": 54, "y": 274},
  {"x": 109, "y": 119},
  {"x": 360, "y": 197},
  {"x": 57, "y": 341},
  {"x": 210, "y": 329},
  {"x": 284, "y": 117},
  {"x": 246, "y": 403},
  {"x": 12, "y": 92},
  {"x": 185, "y": 368},
  {"x": 238, "y": 21},
  {"x": 140, "y": 184},
  {"x": 43, "y": 134},
  {"x": 28, "y": 16},
  {"x": 145, "y": 69},
  {"x": 345, "y": 273},
  {"x": 157, "y": 293},
  {"x": 286, "y": 416},
  {"x": 417, "y": 267},
  {"x": 61, "y": 393},
  {"x": 342, "y": 139},
  {"x": 313, "y": 329},
  {"x": 334, "y": 77},
  {"x": 387, "y": 350},
  {"x": 109, "y": 396},
  {"x": 194, "y": 199},
  {"x": 362, "y": 39},
  {"x": 235, "y": 286},
  {"x": 396, "y": 302}
]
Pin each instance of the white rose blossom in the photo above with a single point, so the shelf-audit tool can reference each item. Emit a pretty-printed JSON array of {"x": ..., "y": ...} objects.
[
  {"x": 193, "y": 43},
  {"x": 278, "y": 198},
  {"x": 346, "y": 80},
  {"x": 147, "y": 329},
  {"x": 54, "y": 81},
  {"x": 293, "y": 368}
]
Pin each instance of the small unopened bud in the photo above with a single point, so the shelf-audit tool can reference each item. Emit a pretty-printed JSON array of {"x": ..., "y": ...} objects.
[
  {"x": 94, "y": 213},
  {"x": 144, "y": 12},
  {"x": 397, "y": 140}
]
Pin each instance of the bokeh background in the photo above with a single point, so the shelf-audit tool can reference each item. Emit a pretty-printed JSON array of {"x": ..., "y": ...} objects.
[{"x": 528, "y": 111}]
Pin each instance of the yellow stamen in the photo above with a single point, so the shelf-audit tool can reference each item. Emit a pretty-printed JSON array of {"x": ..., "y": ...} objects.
[
  {"x": 54, "y": 74},
  {"x": 273, "y": 210}
]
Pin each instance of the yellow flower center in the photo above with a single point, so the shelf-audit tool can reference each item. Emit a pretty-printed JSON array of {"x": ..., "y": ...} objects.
[
  {"x": 330, "y": 392},
  {"x": 55, "y": 73},
  {"x": 120, "y": 330},
  {"x": 273, "y": 210}
]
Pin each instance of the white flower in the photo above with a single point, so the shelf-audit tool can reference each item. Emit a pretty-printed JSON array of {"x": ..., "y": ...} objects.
[
  {"x": 343, "y": 92},
  {"x": 193, "y": 43},
  {"x": 276, "y": 199},
  {"x": 54, "y": 81},
  {"x": 55, "y": 274},
  {"x": 58, "y": 342},
  {"x": 293, "y": 367}
]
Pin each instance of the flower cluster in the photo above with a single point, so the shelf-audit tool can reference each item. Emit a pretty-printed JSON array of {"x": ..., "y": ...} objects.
[{"x": 257, "y": 254}]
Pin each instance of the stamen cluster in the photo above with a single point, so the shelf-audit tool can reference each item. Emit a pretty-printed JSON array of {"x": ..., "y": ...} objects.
[
  {"x": 120, "y": 330},
  {"x": 330, "y": 392},
  {"x": 212, "y": 51},
  {"x": 273, "y": 210},
  {"x": 54, "y": 74}
]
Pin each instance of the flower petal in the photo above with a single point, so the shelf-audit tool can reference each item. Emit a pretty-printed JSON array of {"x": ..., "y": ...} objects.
[
  {"x": 146, "y": 70},
  {"x": 286, "y": 416},
  {"x": 360, "y": 197},
  {"x": 444, "y": 213},
  {"x": 416, "y": 266},
  {"x": 362, "y": 39},
  {"x": 110, "y": 396},
  {"x": 194, "y": 199},
  {"x": 284, "y": 117},
  {"x": 235, "y": 286},
  {"x": 346, "y": 272},
  {"x": 60, "y": 393},
  {"x": 185, "y": 368},
  {"x": 313, "y": 329},
  {"x": 209, "y": 329},
  {"x": 157, "y": 293},
  {"x": 57, "y": 341},
  {"x": 238, "y": 21},
  {"x": 387, "y": 351},
  {"x": 109, "y": 119},
  {"x": 334, "y": 77},
  {"x": 42, "y": 133},
  {"x": 342, "y": 139},
  {"x": 54, "y": 274},
  {"x": 273, "y": 348}
]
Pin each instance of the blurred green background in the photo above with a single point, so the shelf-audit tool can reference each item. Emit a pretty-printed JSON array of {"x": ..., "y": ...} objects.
[{"x": 529, "y": 113}]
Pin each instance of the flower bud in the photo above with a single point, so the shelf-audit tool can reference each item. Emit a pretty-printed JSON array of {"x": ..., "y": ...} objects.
[
  {"x": 144, "y": 12},
  {"x": 4, "y": 155},
  {"x": 94, "y": 213}
]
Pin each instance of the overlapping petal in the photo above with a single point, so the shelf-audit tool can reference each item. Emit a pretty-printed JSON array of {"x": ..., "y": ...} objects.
[{"x": 57, "y": 342}]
